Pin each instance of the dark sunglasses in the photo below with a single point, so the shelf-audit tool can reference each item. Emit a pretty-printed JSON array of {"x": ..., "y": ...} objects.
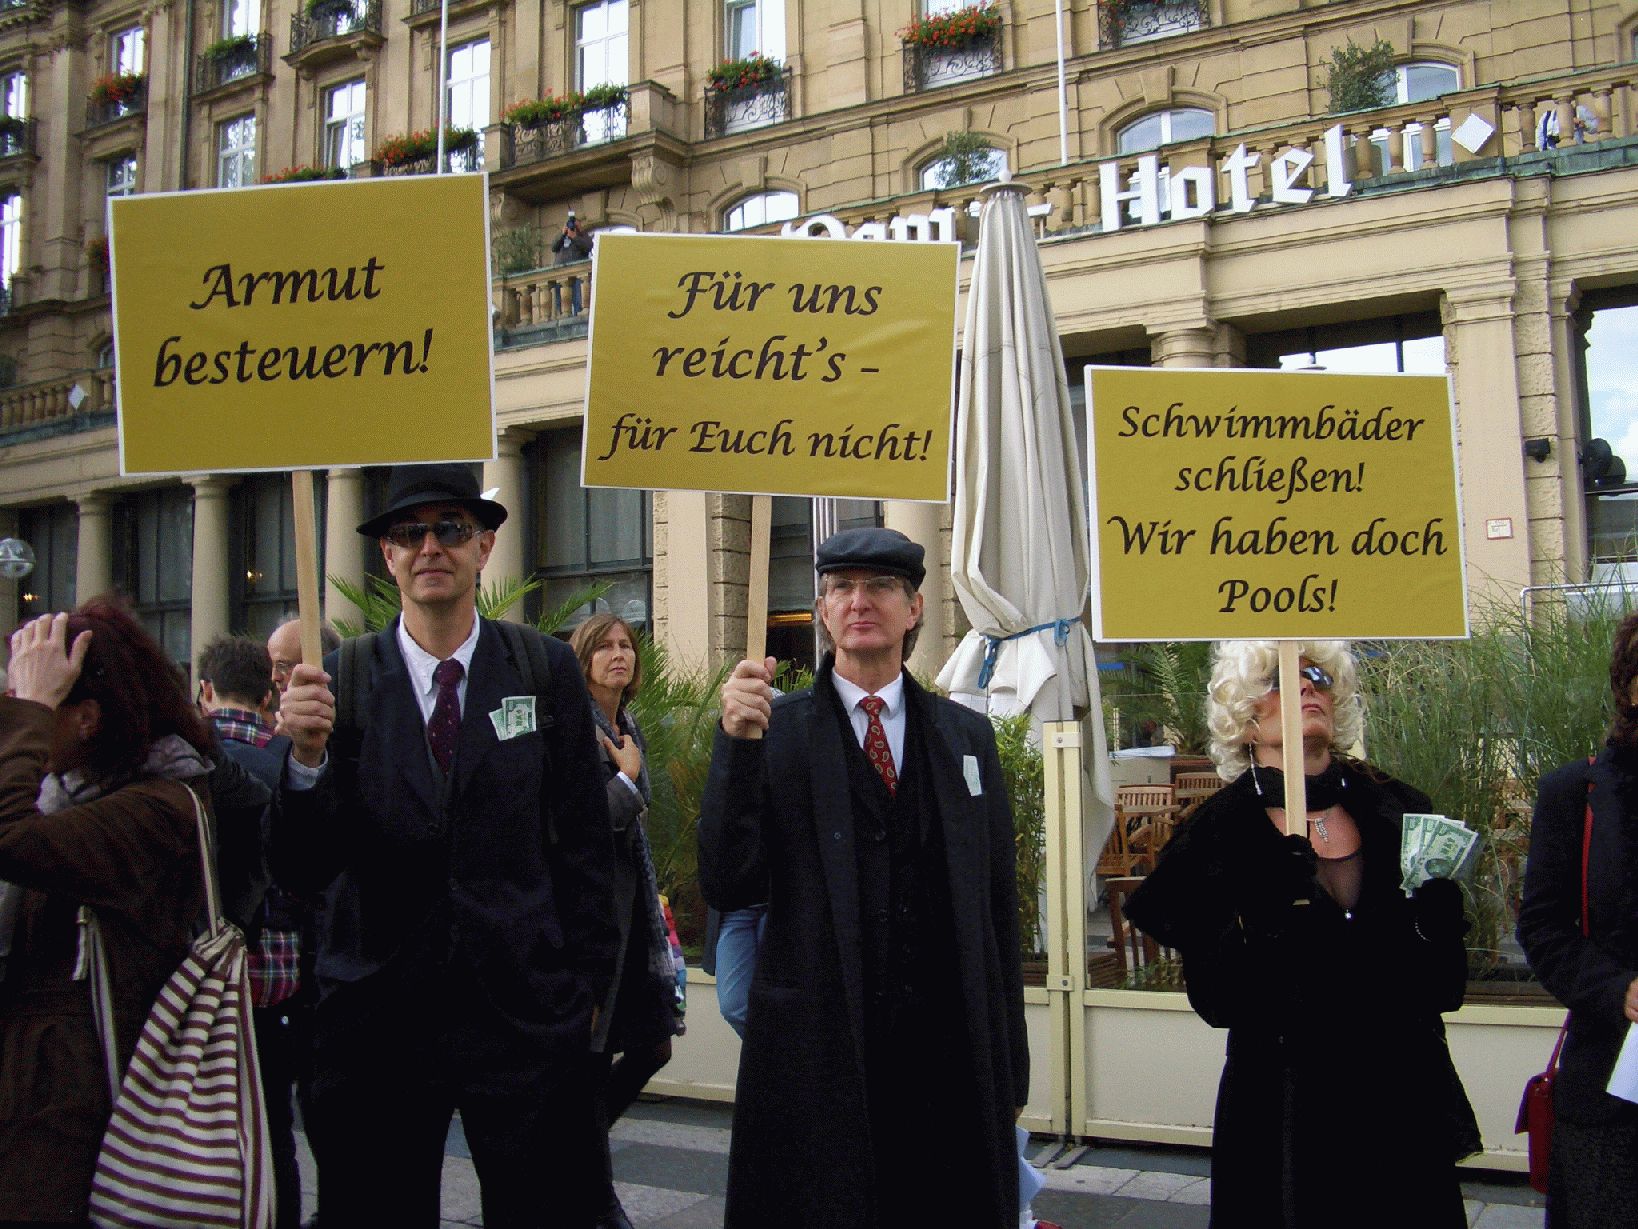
[
  {"x": 1317, "y": 675},
  {"x": 413, "y": 533}
]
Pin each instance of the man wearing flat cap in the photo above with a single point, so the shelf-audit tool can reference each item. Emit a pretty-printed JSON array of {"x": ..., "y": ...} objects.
[
  {"x": 886, "y": 1029},
  {"x": 453, "y": 810}
]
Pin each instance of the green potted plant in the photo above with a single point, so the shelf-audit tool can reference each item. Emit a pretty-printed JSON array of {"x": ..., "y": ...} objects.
[
  {"x": 398, "y": 151},
  {"x": 755, "y": 69},
  {"x": 954, "y": 30},
  {"x": 602, "y": 97},
  {"x": 96, "y": 253},
  {"x": 12, "y": 129},
  {"x": 539, "y": 112},
  {"x": 305, "y": 174},
  {"x": 116, "y": 89},
  {"x": 1361, "y": 78},
  {"x": 232, "y": 51}
]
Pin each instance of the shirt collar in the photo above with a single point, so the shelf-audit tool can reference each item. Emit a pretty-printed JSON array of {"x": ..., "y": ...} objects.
[
  {"x": 242, "y": 721},
  {"x": 892, "y": 695},
  {"x": 421, "y": 663}
]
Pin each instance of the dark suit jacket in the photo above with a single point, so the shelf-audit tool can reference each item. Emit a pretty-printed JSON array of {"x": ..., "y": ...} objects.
[
  {"x": 507, "y": 883},
  {"x": 776, "y": 825},
  {"x": 1590, "y": 976}
]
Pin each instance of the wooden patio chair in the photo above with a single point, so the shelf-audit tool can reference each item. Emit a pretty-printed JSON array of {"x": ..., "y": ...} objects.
[
  {"x": 1145, "y": 815},
  {"x": 1133, "y": 948},
  {"x": 1193, "y": 788}
]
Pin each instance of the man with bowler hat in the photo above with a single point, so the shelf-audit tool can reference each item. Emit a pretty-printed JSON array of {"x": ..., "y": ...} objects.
[
  {"x": 458, "y": 826},
  {"x": 886, "y": 1029}
]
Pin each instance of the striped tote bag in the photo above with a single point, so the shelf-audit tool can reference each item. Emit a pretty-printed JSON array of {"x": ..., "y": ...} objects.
[{"x": 187, "y": 1145}]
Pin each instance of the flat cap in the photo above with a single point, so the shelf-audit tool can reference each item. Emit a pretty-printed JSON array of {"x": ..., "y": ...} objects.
[{"x": 880, "y": 550}]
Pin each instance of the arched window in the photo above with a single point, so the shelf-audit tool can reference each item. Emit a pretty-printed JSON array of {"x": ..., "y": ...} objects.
[
  {"x": 760, "y": 210},
  {"x": 1418, "y": 82},
  {"x": 1163, "y": 128},
  {"x": 952, "y": 170}
]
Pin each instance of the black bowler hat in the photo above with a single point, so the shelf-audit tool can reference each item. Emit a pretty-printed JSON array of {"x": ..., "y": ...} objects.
[
  {"x": 447, "y": 482},
  {"x": 879, "y": 550}
]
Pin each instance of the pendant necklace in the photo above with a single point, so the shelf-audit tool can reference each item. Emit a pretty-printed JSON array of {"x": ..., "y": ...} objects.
[{"x": 1319, "y": 826}]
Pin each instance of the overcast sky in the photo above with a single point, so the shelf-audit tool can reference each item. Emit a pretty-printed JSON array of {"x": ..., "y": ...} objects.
[{"x": 1612, "y": 380}]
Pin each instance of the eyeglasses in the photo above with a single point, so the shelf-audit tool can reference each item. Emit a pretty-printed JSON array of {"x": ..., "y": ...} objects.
[
  {"x": 413, "y": 533},
  {"x": 1317, "y": 675},
  {"x": 875, "y": 587}
]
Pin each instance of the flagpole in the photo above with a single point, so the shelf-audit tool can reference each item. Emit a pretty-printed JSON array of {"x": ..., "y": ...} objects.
[
  {"x": 443, "y": 79},
  {"x": 1063, "y": 89}
]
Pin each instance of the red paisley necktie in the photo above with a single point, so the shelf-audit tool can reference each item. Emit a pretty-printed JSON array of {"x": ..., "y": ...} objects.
[
  {"x": 875, "y": 742},
  {"x": 444, "y": 726}
]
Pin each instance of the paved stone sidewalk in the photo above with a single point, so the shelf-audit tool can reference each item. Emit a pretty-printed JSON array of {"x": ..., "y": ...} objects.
[{"x": 671, "y": 1169}]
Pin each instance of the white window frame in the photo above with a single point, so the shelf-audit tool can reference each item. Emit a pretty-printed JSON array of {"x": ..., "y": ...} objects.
[
  {"x": 765, "y": 20},
  {"x": 14, "y": 94},
  {"x": 760, "y": 209},
  {"x": 1168, "y": 118},
  {"x": 119, "y": 176},
  {"x": 240, "y": 17},
  {"x": 468, "y": 90},
  {"x": 11, "y": 236},
  {"x": 603, "y": 56},
  {"x": 127, "y": 51},
  {"x": 345, "y": 105},
  {"x": 1411, "y": 136},
  {"x": 236, "y": 151}
]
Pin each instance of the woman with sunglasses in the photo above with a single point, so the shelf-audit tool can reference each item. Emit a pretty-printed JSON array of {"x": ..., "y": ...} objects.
[{"x": 1338, "y": 1105}]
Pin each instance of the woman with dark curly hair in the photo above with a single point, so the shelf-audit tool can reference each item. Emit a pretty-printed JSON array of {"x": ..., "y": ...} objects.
[
  {"x": 99, "y": 752},
  {"x": 1339, "y": 1105},
  {"x": 1593, "y": 1174}
]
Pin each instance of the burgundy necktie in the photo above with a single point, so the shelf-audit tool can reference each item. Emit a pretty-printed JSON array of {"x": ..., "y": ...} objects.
[
  {"x": 444, "y": 726},
  {"x": 875, "y": 742}
]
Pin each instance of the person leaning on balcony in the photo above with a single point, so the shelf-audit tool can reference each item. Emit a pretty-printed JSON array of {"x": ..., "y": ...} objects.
[
  {"x": 1593, "y": 1175},
  {"x": 1338, "y": 1105},
  {"x": 886, "y": 1025}
]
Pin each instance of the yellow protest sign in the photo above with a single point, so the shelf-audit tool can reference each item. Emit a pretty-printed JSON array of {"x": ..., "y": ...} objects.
[
  {"x": 301, "y": 326},
  {"x": 771, "y": 366},
  {"x": 1273, "y": 505}
]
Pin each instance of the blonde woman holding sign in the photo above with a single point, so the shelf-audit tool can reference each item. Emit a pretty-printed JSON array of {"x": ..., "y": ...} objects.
[{"x": 1338, "y": 1105}]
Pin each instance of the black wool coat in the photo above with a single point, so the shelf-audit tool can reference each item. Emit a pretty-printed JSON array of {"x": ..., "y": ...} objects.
[
  {"x": 506, "y": 884},
  {"x": 1338, "y": 1105},
  {"x": 776, "y": 825},
  {"x": 1590, "y": 976}
]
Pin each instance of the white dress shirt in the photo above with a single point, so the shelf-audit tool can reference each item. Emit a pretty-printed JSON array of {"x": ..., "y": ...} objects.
[{"x": 892, "y": 697}]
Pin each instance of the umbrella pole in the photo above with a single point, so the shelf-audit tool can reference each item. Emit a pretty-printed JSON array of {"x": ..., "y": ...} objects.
[{"x": 1065, "y": 920}]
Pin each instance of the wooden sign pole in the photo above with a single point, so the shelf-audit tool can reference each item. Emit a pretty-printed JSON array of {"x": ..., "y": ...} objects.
[
  {"x": 756, "y": 590},
  {"x": 1296, "y": 785},
  {"x": 307, "y": 590}
]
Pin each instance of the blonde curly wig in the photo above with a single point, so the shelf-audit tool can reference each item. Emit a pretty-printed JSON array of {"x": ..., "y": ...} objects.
[{"x": 1243, "y": 672}]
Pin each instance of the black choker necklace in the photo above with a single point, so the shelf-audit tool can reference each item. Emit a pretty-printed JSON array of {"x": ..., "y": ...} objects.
[{"x": 1325, "y": 790}]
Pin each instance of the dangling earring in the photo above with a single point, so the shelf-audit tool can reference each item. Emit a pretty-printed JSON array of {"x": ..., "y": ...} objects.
[{"x": 1251, "y": 754}]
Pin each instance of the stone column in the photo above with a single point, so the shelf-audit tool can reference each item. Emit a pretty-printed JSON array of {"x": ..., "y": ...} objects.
[
  {"x": 345, "y": 553},
  {"x": 510, "y": 558},
  {"x": 211, "y": 564},
  {"x": 1190, "y": 347},
  {"x": 11, "y": 591},
  {"x": 921, "y": 523},
  {"x": 94, "y": 553},
  {"x": 682, "y": 578}
]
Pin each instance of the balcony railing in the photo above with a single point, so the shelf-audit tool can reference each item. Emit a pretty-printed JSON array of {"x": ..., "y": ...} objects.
[
  {"x": 16, "y": 137},
  {"x": 927, "y": 68},
  {"x": 1124, "y": 22},
  {"x": 523, "y": 144},
  {"x": 469, "y": 158},
  {"x": 254, "y": 59},
  {"x": 542, "y": 298},
  {"x": 749, "y": 106},
  {"x": 107, "y": 112},
  {"x": 49, "y": 401},
  {"x": 338, "y": 21}
]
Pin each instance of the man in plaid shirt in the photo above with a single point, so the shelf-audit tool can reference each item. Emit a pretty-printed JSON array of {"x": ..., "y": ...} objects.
[{"x": 237, "y": 694}]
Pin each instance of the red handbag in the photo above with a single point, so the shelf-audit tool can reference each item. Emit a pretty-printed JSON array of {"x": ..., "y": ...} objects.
[{"x": 1536, "y": 1106}]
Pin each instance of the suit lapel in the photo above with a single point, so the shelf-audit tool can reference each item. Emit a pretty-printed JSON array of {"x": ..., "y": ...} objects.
[
  {"x": 402, "y": 729},
  {"x": 960, "y": 814},
  {"x": 490, "y": 680},
  {"x": 833, "y": 821}
]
